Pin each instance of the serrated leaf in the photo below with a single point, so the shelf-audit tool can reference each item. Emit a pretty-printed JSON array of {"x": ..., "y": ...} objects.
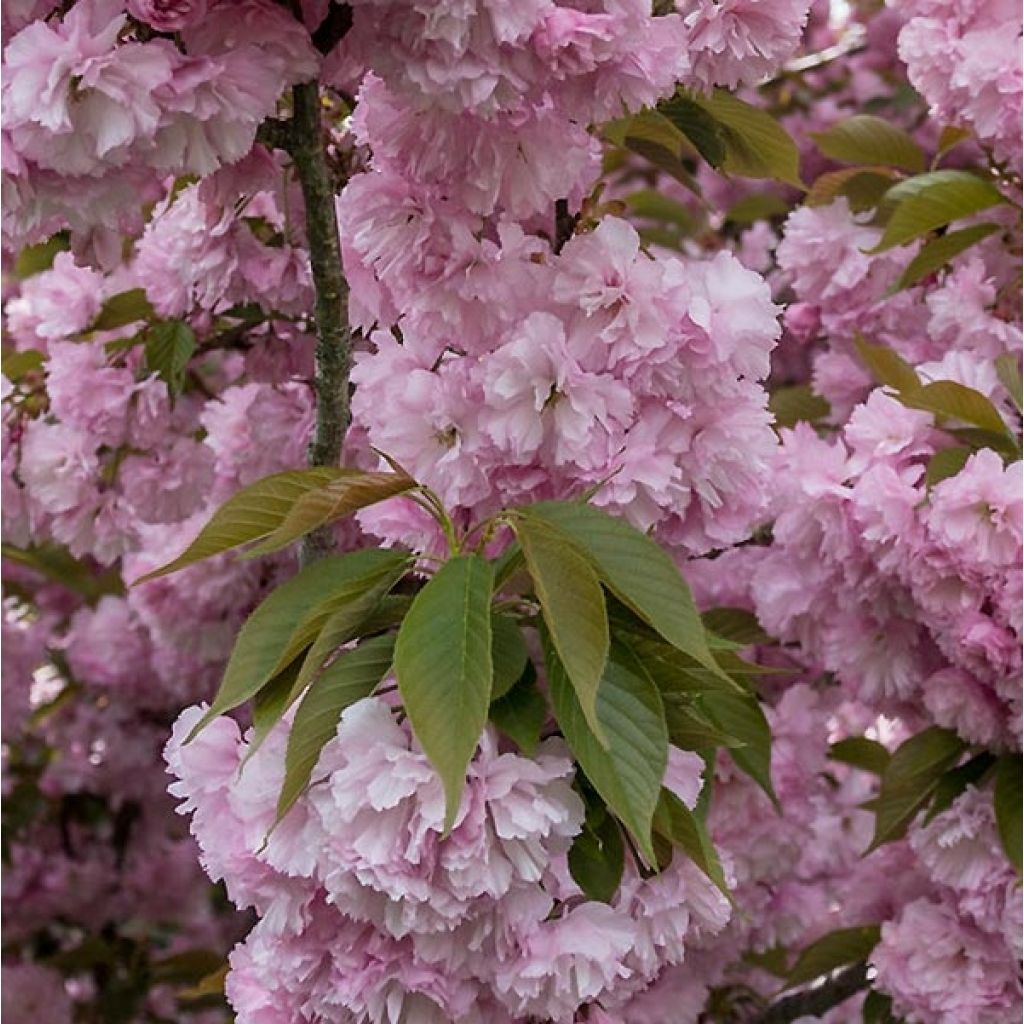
[
  {"x": 168, "y": 347},
  {"x": 945, "y": 463},
  {"x": 122, "y": 309},
  {"x": 443, "y": 663},
  {"x": 910, "y": 780},
  {"x": 862, "y": 187},
  {"x": 756, "y": 145},
  {"x": 266, "y": 643},
  {"x": 690, "y": 729},
  {"x": 337, "y": 498},
  {"x": 683, "y": 829},
  {"x": 956, "y": 401},
  {"x": 939, "y": 251},
  {"x": 572, "y": 605},
  {"x": 1009, "y": 373},
  {"x": 837, "y": 949},
  {"x": 351, "y": 677},
  {"x": 628, "y": 774},
  {"x": 698, "y": 125},
  {"x": 886, "y": 366},
  {"x": 933, "y": 200},
  {"x": 1008, "y": 799},
  {"x": 636, "y": 570},
  {"x": 797, "y": 403},
  {"x": 864, "y": 139},
  {"x": 596, "y": 859},
  {"x": 522, "y": 712},
  {"x": 508, "y": 653},
  {"x": 861, "y": 752},
  {"x": 249, "y": 514}
]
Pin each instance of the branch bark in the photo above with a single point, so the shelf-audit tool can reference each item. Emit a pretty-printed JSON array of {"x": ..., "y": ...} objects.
[
  {"x": 816, "y": 1001},
  {"x": 333, "y": 335}
]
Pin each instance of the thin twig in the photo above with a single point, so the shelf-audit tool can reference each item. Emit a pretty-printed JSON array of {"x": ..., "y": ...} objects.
[{"x": 813, "y": 1002}]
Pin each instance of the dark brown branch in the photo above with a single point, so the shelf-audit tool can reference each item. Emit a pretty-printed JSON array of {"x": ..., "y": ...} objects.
[
  {"x": 565, "y": 224},
  {"x": 334, "y": 338},
  {"x": 813, "y": 1002}
]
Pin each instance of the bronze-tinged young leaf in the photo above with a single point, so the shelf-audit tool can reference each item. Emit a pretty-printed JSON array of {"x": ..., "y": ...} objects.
[
  {"x": 933, "y": 200},
  {"x": 939, "y": 251},
  {"x": 335, "y": 500},
  {"x": 837, "y": 949},
  {"x": 508, "y": 653},
  {"x": 910, "y": 780},
  {"x": 956, "y": 401},
  {"x": 122, "y": 309},
  {"x": 443, "y": 663},
  {"x": 249, "y": 514},
  {"x": 351, "y": 677},
  {"x": 683, "y": 829},
  {"x": 629, "y": 772},
  {"x": 864, "y": 139},
  {"x": 862, "y": 187},
  {"x": 795, "y": 404},
  {"x": 573, "y": 607},
  {"x": 886, "y": 366},
  {"x": 263, "y": 644},
  {"x": 756, "y": 145},
  {"x": 737, "y": 625},
  {"x": 521, "y": 713},
  {"x": 1008, "y": 800},
  {"x": 860, "y": 752},
  {"x": 950, "y": 136},
  {"x": 945, "y": 463},
  {"x": 635, "y": 569}
]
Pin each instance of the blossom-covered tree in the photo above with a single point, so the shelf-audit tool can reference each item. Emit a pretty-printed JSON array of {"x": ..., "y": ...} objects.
[{"x": 512, "y": 511}]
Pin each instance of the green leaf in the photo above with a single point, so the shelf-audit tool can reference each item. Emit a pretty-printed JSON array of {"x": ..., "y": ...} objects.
[
  {"x": 573, "y": 607},
  {"x": 939, "y": 251},
  {"x": 742, "y": 718},
  {"x": 56, "y": 563},
  {"x": 1008, "y": 371},
  {"x": 860, "y": 752},
  {"x": 837, "y": 949},
  {"x": 933, "y": 200},
  {"x": 628, "y": 774},
  {"x": 508, "y": 653},
  {"x": 522, "y": 712},
  {"x": 756, "y": 145},
  {"x": 351, "y": 677},
  {"x": 878, "y": 1009},
  {"x": 596, "y": 859},
  {"x": 269, "y": 705},
  {"x": 1008, "y": 799},
  {"x": 333, "y": 500},
  {"x": 953, "y": 783},
  {"x": 636, "y": 570},
  {"x": 34, "y": 259},
  {"x": 690, "y": 729},
  {"x": 862, "y": 187},
  {"x": 797, "y": 403},
  {"x": 249, "y": 514},
  {"x": 16, "y": 365},
  {"x": 443, "y": 663},
  {"x": 698, "y": 125},
  {"x": 736, "y": 624},
  {"x": 347, "y": 616},
  {"x": 774, "y": 960},
  {"x": 650, "y": 204},
  {"x": 945, "y": 463},
  {"x": 683, "y": 829},
  {"x": 886, "y": 366},
  {"x": 910, "y": 780},
  {"x": 266, "y": 642},
  {"x": 950, "y": 136},
  {"x": 756, "y": 206},
  {"x": 124, "y": 308},
  {"x": 168, "y": 347},
  {"x": 956, "y": 401},
  {"x": 864, "y": 139}
]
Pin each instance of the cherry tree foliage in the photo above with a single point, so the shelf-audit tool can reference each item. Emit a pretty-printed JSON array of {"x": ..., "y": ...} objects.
[{"x": 512, "y": 511}]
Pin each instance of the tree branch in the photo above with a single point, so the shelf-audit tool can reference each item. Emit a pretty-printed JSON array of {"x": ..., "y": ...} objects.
[
  {"x": 334, "y": 338},
  {"x": 813, "y": 1002}
]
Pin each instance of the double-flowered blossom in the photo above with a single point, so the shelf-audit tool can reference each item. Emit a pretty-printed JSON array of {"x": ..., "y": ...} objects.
[{"x": 375, "y": 915}]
